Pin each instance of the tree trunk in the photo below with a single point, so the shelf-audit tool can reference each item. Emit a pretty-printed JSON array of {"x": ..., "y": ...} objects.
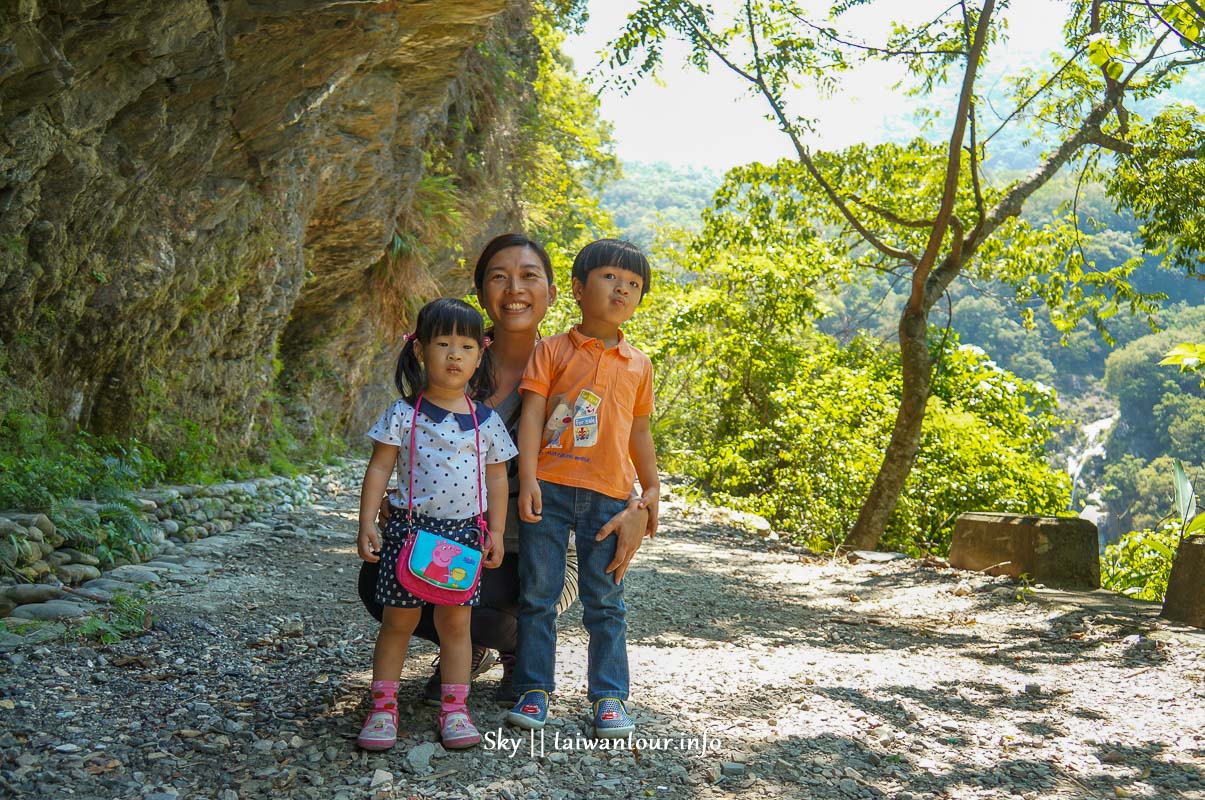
[{"x": 905, "y": 438}]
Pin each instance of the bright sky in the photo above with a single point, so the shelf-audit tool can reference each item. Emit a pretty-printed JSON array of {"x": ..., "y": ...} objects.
[{"x": 710, "y": 120}]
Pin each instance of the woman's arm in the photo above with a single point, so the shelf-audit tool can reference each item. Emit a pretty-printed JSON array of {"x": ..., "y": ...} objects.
[
  {"x": 497, "y": 492},
  {"x": 629, "y": 527},
  {"x": 376, "y": 478},
  {"x": 644, "y": 456},
  {"x": 639, "y": 519},
  {"x": 531, "y": 425}
]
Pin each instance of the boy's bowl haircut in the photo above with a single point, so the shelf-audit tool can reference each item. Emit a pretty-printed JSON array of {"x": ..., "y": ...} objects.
[{"x": 613, "y": 253}]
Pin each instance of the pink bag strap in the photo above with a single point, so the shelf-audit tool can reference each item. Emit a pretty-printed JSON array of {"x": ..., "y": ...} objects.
[{"x": 481, "y": 523}]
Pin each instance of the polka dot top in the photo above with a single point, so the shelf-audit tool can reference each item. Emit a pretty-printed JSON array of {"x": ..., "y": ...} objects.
[{"x": 445, "y": 455}]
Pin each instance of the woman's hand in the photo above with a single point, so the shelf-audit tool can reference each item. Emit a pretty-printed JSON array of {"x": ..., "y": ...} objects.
[
  {"x": 368, "y": 544},
  {"x": 497, "y": 549},
  {"x": 629, "y": 527},
  {"x": 651, "y": 501},
  {"x": 386, "y": 507}
]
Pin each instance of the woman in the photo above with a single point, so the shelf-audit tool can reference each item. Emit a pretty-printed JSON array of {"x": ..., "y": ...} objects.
[{"x": 514, "y": 283}]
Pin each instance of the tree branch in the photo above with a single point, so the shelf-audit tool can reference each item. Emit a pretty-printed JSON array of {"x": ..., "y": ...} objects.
[
  {"x": 1045, "y": 85},
  {"x": 917, "y": 300},
  {"x": 1011, "y": 203},
  {"x": 890, "y": 215},
  {"x": 1102, "y": 139},
  {"x": 980, "y": 206},
  {"x": 884, "y": 51},
  {"x": 801, "y": 151}
]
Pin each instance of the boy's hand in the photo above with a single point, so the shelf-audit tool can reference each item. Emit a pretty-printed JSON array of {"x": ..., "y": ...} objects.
[
  {"x": 497, "y": 549},
  {"x": 531, "y": 505},
  {"x": 368, "y": 544}
]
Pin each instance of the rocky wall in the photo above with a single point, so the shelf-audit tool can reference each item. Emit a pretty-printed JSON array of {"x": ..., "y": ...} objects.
[
  {"x": 42, "y": 563},
  {"x": 193, "y": 194}
]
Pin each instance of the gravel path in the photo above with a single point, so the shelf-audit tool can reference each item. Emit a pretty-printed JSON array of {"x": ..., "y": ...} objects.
[{"x": 757, "y": 672}]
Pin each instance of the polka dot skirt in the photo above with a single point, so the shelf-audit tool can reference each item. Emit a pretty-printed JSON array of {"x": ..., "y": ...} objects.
[{"x": 389, "y": 591}]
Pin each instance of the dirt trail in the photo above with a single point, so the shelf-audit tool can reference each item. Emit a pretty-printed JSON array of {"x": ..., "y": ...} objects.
[{"x": 756, "y": 673}]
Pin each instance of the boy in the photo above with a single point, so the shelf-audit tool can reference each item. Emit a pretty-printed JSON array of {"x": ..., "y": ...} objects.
[{"x": 576, "y": 470}]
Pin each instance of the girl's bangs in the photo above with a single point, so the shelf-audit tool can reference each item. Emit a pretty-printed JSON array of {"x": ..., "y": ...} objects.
[{"x": 455, "y": 318}]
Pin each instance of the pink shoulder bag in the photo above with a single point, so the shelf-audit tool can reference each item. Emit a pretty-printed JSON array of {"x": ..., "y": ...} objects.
[{"x": 431, "y": 566}]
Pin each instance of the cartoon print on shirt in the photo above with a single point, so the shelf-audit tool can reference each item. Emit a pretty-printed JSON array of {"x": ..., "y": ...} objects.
[
  {"x": 557, "y": 422},
  {"x": 583, "y": 420}
]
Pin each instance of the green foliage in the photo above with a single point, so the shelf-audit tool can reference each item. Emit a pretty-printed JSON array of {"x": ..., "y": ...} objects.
[
  {"x": 925, "y": 212},
  {"x": 113, "y": 532},
  {"x": 39, "y": 464},
  {"x": 193, "y": 453},
  {"x": 1162, "y": 412},
  {"x": 1140, "y": 564},
  {"x": 1163, "y": 186},
  {"x": 772, "y": 416},
  {"x": 652, "y": 196},
  {"x": 563, "y": 154},
  {"x": 125, "y": 618},
  {"x": 1187, "y": 356}
]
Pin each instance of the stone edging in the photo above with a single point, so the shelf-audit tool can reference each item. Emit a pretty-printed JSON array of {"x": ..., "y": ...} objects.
[{"x": 57, "y": 582}]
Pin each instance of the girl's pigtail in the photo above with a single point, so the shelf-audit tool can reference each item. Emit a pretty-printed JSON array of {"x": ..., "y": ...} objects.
[
  {"x": 483, "y": 384},
  {"x": 409, "y": 377}
]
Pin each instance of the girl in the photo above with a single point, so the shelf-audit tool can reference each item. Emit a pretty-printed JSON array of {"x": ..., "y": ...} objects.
[{"x": 445, "y": 444}]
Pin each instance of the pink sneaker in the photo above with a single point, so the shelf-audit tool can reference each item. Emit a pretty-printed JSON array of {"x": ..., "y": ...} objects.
[
  {"x": 457, "y": 731},
  {"x": 379, "y": 731}
]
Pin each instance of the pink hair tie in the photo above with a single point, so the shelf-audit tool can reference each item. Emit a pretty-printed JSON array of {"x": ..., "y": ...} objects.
[
  {"x": 407, "y": 337},
  {"x": 488, "y": 341}
]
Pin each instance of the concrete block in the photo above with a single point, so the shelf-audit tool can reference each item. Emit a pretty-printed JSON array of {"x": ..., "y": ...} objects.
[
  {"x": 1060, "y": 552},
  {"x": 1185, "y": 599}
]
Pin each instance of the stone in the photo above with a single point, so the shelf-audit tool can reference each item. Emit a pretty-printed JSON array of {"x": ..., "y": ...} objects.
[
  {"x": 35, "y": 571},
  {"x": 1185, "y": 598},
  {"x": 23, "y": 593},
  {"x": 51, "y": 611},
  {"x": 73, "y": 574},
  {"x": 873, "y": 556},
  {"x": 212, "y": 239},
  {"x": 106, "y": 584},
  {"x": 132, "y": 574},
  {"x": 39, "y": 521},
  {"x": 81, "y": 558},
  {"x": 744, "y": 519},
  {"x": 1059, "y": 552},
  {"x": 419, "y": 757}
]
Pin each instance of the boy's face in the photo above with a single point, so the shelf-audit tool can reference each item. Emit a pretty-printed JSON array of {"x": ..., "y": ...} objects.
[{"x": 610, "y": 295}]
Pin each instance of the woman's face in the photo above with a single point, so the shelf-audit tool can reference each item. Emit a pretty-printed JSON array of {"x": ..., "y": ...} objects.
[{"x": 515, "y": 292}]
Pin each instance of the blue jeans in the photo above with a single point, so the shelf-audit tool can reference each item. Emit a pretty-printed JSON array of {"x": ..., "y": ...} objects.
[{"x": 542, "y": 547}]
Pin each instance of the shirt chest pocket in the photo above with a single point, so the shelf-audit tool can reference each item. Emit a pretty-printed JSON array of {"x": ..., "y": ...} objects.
[{"x": 625, "y": 381}]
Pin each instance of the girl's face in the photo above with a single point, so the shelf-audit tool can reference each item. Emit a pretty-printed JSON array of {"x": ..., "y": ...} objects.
[
  {"x": 450, "y": 361},
  {"x": 515, "y": 291}
]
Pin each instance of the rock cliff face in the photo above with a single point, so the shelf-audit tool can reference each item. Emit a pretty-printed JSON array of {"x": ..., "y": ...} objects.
[{"x": 193, "y": 194}]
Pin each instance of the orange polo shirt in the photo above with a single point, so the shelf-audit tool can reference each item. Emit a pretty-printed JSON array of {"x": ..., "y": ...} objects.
[{"x": 593, "y": 394}]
